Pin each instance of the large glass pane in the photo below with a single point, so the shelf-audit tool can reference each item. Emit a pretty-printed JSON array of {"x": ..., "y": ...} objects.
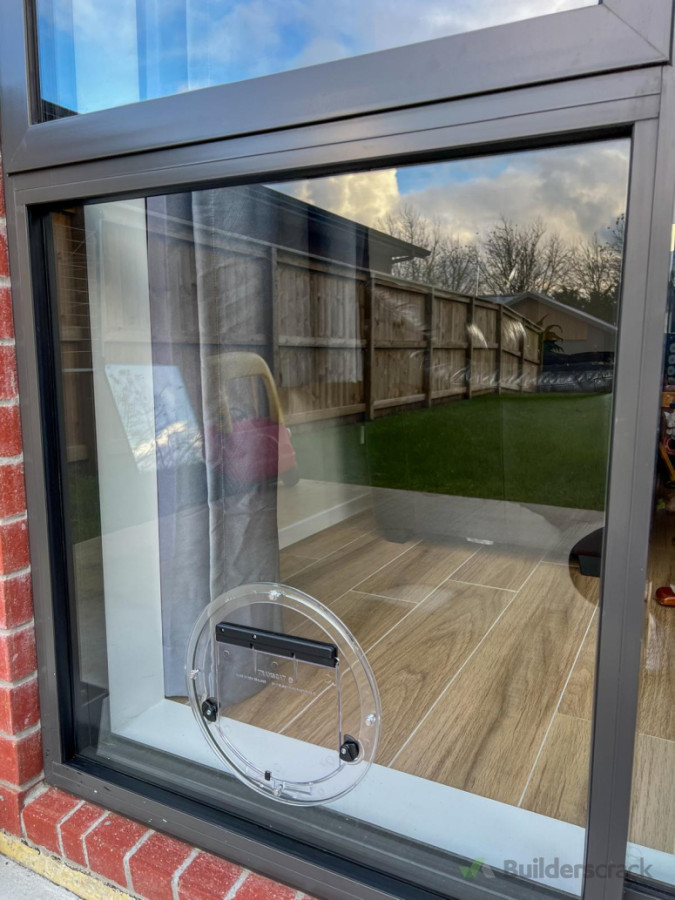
[
  {"x": 96, "y": 55},
  {"x": 388, "y": 390},
  {"x": 651, "y": 848}
]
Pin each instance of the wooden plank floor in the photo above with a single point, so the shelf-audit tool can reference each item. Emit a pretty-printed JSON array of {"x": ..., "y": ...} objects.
[{"x": 484, "y": 658}]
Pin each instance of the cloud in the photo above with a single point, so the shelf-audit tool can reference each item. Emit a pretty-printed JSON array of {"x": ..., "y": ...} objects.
[
  {"x": 576, "y": 191},
  {"x": 364, "y": 197},
  {"x": 252, "y": 37},
  {"x": 230, "y": 40}
]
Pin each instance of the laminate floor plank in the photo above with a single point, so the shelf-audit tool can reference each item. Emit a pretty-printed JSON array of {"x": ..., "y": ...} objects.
[
  {"x": 415, "y": 575},
  {"x": 559, "y": 783},
  {"x": 325, "y": 542},
  {"x": 577, "y": 699},
  {"x": 290, "y": 564},
  {"x": 415, "y": 660},
  {"x": 336, "y": 574},
  {"x": 501, "y": 567},
  {"x": 369, "y": 618},
  {"x": 656, "y": 710},
  {"x": 485, "y": 732},
  {"x": 652, "y": 821}
]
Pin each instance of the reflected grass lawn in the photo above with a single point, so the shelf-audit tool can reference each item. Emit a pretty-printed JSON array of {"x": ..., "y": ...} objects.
[
  {"x": 534, "y": 448},
  {"x": 84, "y": 506}
]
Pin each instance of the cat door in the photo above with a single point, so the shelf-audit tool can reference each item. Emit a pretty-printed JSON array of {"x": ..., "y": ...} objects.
[{"x": 283, "y": 693}]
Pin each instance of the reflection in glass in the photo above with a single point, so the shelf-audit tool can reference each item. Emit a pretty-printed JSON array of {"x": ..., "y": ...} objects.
[
  {"x": 392, "y": 391},
  {"x": 96, "y": 55}
]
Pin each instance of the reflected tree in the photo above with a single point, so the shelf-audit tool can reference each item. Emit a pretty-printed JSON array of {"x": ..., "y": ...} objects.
[
  {"x": 512, "y": 258},
  {"x": 523, "y": 257},
  {"x": 451, "y": 263}
]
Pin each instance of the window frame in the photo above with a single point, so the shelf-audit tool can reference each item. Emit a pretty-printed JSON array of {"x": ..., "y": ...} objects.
[
  {"x": 612, "y": 35},
  {"x": 636, "y": 100}
]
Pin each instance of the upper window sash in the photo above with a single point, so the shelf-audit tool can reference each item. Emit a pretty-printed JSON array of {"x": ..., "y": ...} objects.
[{"x": 616, "y": 34}]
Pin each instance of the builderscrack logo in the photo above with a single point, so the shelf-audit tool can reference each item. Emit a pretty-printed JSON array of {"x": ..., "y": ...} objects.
[{"x": 540, "y": 869}]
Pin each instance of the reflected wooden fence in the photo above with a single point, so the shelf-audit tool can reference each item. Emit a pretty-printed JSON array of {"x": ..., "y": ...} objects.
[
  {"x": 350, "y": 341},
  {"x": 340, "y": 340}
]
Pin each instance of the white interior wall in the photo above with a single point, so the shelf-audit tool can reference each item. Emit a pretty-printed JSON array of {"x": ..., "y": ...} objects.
[{"x": 120, "y": 333}]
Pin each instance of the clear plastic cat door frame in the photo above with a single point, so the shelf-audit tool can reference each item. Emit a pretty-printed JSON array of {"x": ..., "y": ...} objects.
[{"x": 283, "y": 693}]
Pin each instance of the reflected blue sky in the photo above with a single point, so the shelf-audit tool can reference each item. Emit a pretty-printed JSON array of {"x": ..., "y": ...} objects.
[{"x": 96, "y": 54}]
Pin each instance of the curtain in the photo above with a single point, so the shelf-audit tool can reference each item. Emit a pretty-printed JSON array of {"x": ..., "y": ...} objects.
[{"x": 217, "y": 513}]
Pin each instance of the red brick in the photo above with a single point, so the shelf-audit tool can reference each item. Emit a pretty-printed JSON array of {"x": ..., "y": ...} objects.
[
  {"x": 6, "y": 316},
  {"x": 19, "y": 707},
  {"x": 73, "y": 830},
  {"x": 12, "y": 493},
  {"x": 20, "y": 758},
  {"x": 17, "y": 654},
  {"x": 8, "y": 378},
  {"x": 10, "y": 430},
  {"x": 16, "y": 600},
  {"x": 4, "y": 260},
  {"x": 255, "y": 887},
  {"x": 207, "y": 877},
  {"x": 42, "y": 816},
  {"x": 2, "y": 194},
  {"x": 14, "y": 552},
  {"x": 11, "y": 804},
  {"x": 108, "y": 844},
  {"x": 154, "y": 864}
]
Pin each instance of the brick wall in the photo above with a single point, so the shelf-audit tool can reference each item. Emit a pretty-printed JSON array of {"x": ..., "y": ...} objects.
[
  {"x": 20, "y": 746},
  {"x": 108, "y": 846}
]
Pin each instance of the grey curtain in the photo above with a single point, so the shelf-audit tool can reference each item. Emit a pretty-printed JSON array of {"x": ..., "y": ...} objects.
[{"x": 215, "y": 532}]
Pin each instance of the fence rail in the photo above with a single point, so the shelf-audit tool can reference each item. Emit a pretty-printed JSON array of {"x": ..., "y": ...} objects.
[
  {"x": 399, "y": 343},
  {"x": 340, "y": 339}
]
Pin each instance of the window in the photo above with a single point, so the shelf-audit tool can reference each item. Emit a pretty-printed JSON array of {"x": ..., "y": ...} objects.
[
  {"x": 95, "y": 56},
  {"x": 391, "y": 391},
  {"x": 384, "y": 335}
]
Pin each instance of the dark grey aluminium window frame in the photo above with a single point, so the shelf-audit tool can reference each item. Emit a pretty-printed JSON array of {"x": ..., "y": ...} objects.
[
  {"x": 604, "y": 91},
  {"x": 614, "y": 34}
]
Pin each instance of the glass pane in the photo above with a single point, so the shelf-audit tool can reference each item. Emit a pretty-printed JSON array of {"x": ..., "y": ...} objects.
[
  {"x": 391, "y": 391},
  {"x": 651, "y": 848},
  {"x": 96, "y": 55}
]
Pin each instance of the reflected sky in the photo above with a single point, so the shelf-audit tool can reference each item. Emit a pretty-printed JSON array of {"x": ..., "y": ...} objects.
[
  {"x": 96, "y": 54},
  {"x": 577, "y": 191}
]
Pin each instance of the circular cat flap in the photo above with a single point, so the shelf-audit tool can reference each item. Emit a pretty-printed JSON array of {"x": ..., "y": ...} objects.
[{"x": 283, "y": 693}]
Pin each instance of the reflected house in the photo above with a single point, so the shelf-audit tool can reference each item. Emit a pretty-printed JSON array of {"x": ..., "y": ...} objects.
[
  {"x": 578, "y": 348},
  {"x": 285, "y": 222}
]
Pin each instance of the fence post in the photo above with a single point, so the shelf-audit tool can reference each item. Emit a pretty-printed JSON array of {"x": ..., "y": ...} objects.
[
  {"x": 428, "y": 384},
  {"x": 469, "y": 346},
  {"x": 274, "y": 313},
  {"x": 521, "y": 361},
  {"x": 369, "y": 351}
]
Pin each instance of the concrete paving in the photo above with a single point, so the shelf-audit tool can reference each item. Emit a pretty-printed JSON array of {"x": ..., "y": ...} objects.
[{"x": 18, "y": 883}]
